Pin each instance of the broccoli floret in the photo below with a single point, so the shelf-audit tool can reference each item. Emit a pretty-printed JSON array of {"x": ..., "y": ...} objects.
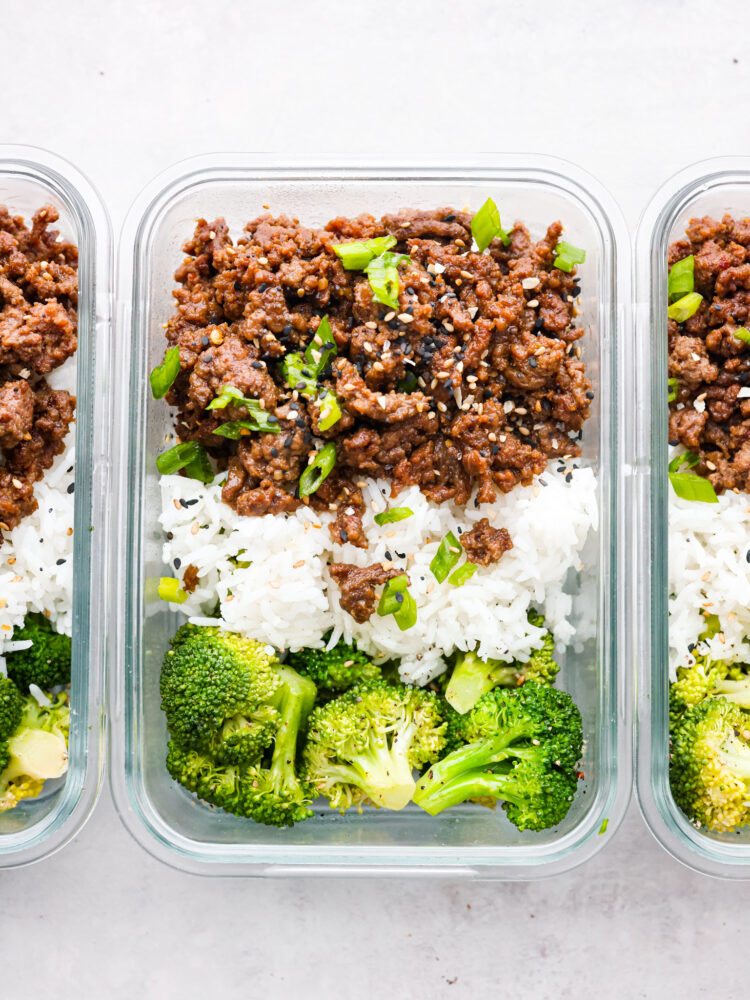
[
  {"x": 36, "y": 751},
  {"x": 11, "y": 708},
  {"x": 522, "y": 747},
  {"x": 46, "y": 662},
  {"x": 235, "y": 715},
  {"x": 707, "y": 678},
  {"x": 334, "y": 670},
  {"x": 363, "y": 745},
  {"x": 473, "y": 677},
  {"x": 710, "y": 765}
]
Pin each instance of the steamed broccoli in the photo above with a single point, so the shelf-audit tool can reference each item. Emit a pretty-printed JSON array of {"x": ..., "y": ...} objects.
[
  {"x": 334, "y": 670},
  {"x": 35, "y": 751},
  {"x": 11, "y": 708},
  {"x": 707, "y": 678},
  {"x": 234, "y": 714},
  {"x": 363, "y": 745},
  {"x": 522, "y": 748},
  {"x": 473, "y": 677},
  {"x": 46, "y": 662},
  {"x": 710, "y": 765}
]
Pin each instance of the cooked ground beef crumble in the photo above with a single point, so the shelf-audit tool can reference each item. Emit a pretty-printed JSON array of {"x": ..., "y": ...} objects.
[
  {"x": 487, "y": 341},
  {"x": 38, "y": 332},
  {"x": 710, "y": 412}
]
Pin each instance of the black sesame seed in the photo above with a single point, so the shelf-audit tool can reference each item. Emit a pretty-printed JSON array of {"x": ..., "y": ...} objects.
[
  {"x": 258, "y": 364},
  {"x": 300, "y": 422},
  {"x": 399, "y": 597},
  {"x": 538, "y": 323},
  {"x": 204, "y": 341},
  {"x": 71, "y": 488},
  {"x": 344, "y": 535},
  {"x": 177, "y": 563},
  {"x": 401, "y": 555},
  {"x": 532, "y": 362},
  {"x": 389, "y": 557},
  {"x": 287, "y": 329},
  {"x": 288, "y": 441},
  {"x": 494, "y": 449},
  {"x": 59, "y": 562},
  {"x": 274, "y": 452},
  {"x": 262, "y": 286},
  {"x": 589, "y": 395}
]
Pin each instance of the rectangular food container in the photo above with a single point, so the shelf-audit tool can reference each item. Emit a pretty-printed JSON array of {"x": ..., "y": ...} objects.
[
  {"x": 711, "y": 187},
  {"x": 464, "y": 841},
  {"x": 29, "y": 179}
]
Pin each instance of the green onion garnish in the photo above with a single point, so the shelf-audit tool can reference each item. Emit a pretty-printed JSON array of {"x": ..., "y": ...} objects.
[
  {"x": 259, "y": 420},
  {"x": 686, "y": 458},
  {"x": 681, "y": 278},
  {"x": 459, "y": 576},
  {"x": 672, "y": 394},
  {"x": 187, "y": 455},
  {"x": 567, "y": 256},
  {"x": 603, "y": 827},
  {"x": 685, "y": 307},
  {"x": 742, "y": 333},
  {"x": 393, "y": 515},
  {"x": 397, "y": 601},
  {"x": 382, "y": 273},
  {"x": 322, "y": 348},
  {"x": 235, "y": 429},
  {"x": 408, "y": 383},
  {"x": 356, "y": 256},
  {"x": 713, "y": 626},
  {"x": 170, "y": 590},
  {"x": 485, "y": 226},
  {"x": 330, "y": 410},
  {"x": 301, "y": 372},
  {"x": 448, "y": 553},
  {"x": 163, "y": 375},
  {"x": 690, "y": 487},
  {"x": 318, "y": 470}
]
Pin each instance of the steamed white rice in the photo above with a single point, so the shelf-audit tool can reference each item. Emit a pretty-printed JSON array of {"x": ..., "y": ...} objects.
[
  {"x": 36, "y": 558},
  {"x": 709, "y": 570},
  {"x": 285, "y": 597}
]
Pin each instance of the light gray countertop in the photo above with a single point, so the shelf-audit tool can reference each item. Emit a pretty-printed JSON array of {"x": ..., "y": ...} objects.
[{"x": 630, "y": 91}]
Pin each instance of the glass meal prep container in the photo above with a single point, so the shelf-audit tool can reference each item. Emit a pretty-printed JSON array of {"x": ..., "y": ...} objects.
[
  {"x": 29, "y": 179},
  {"x": 468, "y": 840},
  {"x": 712, "y": 187}
]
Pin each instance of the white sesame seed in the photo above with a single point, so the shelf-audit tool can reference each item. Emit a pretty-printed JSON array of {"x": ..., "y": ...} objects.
[
  {"x": 405, "y": 318},
  {"x": 439, "y": 268},
  {"x": 507, "y": 406},
  {"x": 389, "y": 316},
  {"x": 532, "y": 303},
  {"x": 473, "y": 310},
  {"x": 530, "y": 282},
  {"x": 371, "y": 325}
]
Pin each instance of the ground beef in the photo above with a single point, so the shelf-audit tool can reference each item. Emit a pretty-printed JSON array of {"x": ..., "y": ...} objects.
[
  {"x": 357, "y": 585},
  {"x": 38, "y": 332},
  {"x": 708, "y": 363},
  {"x": 190, "y": 578},
  {"x": 484, "y": 544},
  {"x": 474, "y": 381}
]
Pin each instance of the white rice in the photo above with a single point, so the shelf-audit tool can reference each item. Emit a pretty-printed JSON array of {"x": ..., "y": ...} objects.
[
  {"x": 36, "y": 558},
  {"x": 285, "y": 596},
  {"x": 709, "y": 547}
]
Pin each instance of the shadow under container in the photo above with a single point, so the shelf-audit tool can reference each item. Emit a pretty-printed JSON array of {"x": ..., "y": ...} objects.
[
  {"x": 712, "y": 187},
  {"x": 29, "y": 179},
  {"x": 464, "y": 841}
]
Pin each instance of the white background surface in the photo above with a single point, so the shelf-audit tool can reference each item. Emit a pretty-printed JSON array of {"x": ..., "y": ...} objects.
[{"x": 630, "y": 90}]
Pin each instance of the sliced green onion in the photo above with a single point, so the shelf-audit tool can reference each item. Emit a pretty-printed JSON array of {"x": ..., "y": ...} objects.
[
  {"x": 485, "y": 226},
  {"x": 672, "y": 394},
  {"x": 603, "y": 827},
  {"x": 300, "y": 375},
  {"x": 382, "y": 273},
  {"x": 236, "y": 429},
  {"x": 686, "y": 458},
  {"x": 260, "y": 419},
  {"x": 448, "y": 553},
  {"x": 742, "y": 333},
  {"x": 567, "y": 256},
  {"x": 459, "y": 576},
  {"x": 408, "y": 383},
  {"x": 323, "y": 345},
  {"x": 713, "y": 626},
  {"x": 163, "y": 376},
  {"x": 318, "y": 470},
  {"x": 691, "y": 487},
  {"x": 330, "y": 409},
  {"x": 228, "y": 395},
  {"x": 187, "y": 455},
  {"x": 393, "y": 515},
  {"x": 170, "y": 590},
  {"x": 397, "y": 601},
  {"x": 685, "y": 307},
  {"x": 356, "y": 256},
  {"x": 681, "y": 278}
]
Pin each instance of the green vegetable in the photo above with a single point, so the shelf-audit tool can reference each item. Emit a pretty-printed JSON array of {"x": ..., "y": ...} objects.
[
  {"x": 684, "y": 308},
  {"x": 672, "y": 394},
  {"x": 603, "y": 827},
  {"x": 170, "y": 590},
  {"x": 681, "y": 278},
  {"x": 473, "y": 677},
  {"x": 187, "y": 455},
  {"x": 567, "y": 256},
  {"x": 363, "y": 746},
  {"x": 485, "y": 226},
  {"x": 46, "y": 662},
  {"x": 690, "y": 487},
  {"x": 459, "y": 576},
  {"x": 382, "y": 273},
  {"x": 356, "y": 256},
  {"x": 408, "y": 383},
  {"x": 743, "y": 334},
  {"x": 260, "y": 419},
  {"x": 448, "y": 553},
  {"x": 302, "y": 372},
  {"x": 393, "y": 515},
  {"x": 397, "y": 601},
  {"x": 710, "y": 765},
  {"x": 322, "y": 348},
  {"x": 686, "y": 458},
  {"x": 163, "y": 376},
  {"x": 522, "y": 748},
  {"x": 334, "y": 670},
  {"x": 330, "y": 409},
  {"x": 35, "y": 749},
  {"x": 235, "y": 429},
  {"x": 318, "y": 470},
  {"x": 235, "y": 715}
]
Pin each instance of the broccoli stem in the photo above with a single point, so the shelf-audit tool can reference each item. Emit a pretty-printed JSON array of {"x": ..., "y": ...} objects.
[
  {"x": 473, "y": 677},
  {"x": 384, "y": 774},
  {"x": 737, "y": 692},
  {"x": 469, "y": 785},
  {"x": 296, "y": 698}
]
